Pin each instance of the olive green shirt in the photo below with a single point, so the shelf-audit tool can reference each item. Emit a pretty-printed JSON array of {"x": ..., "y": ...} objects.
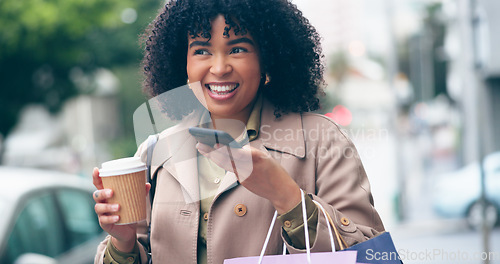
[{"x": 210, "y": 176}]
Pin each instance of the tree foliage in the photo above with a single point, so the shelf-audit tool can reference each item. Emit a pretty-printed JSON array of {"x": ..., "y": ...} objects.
[{"x": 46, "y": 46}]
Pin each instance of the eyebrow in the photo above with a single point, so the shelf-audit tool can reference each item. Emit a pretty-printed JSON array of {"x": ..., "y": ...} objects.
[
  {"x": 240, "y": 40},
  {"x": 200, "y": 43},
  {"x": 229, "y": 43}
]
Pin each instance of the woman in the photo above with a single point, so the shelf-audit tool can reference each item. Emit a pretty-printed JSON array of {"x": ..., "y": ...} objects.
[{"x": 258, "y": 62}]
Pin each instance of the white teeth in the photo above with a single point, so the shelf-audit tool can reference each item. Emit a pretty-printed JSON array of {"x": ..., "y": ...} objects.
[{"x": 222, "y": 88}]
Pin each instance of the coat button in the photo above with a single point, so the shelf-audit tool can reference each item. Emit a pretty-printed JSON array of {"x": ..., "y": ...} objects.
[
  {"x": 287, "y": 224},
  {"x": 344, "y": 221},
  {"x": 205, "y": 216},
  {"x": 240, "y": 209},
  {"x": 130, "y": 260}
]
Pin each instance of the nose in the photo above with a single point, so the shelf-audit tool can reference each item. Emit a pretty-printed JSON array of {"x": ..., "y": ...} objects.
[{"x": 220, "y": 66}]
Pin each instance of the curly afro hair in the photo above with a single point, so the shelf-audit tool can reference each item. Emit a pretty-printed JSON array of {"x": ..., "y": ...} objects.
[{"x": 289, "y": 47}]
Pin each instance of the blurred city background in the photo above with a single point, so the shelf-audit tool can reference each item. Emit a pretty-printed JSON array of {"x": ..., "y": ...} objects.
[{"x": 415, "y": 83}]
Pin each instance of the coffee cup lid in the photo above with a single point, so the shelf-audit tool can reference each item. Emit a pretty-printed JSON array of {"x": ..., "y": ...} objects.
[{"x": 122, "y": 166}]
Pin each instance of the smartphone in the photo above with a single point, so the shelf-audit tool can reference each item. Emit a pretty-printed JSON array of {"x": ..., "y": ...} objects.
[{"x": 211, "y": 137}]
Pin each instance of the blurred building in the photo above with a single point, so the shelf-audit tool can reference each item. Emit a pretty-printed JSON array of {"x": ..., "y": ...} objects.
[
  {"x": 74, "y": 140},
  {"x": 487, "y": 35},
  {"x": 474, "y": 72},
  {"x": 339, "y": 22}
]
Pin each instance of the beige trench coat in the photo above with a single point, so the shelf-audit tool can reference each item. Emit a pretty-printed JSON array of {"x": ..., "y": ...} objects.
[{"x": 312, "y": 149}]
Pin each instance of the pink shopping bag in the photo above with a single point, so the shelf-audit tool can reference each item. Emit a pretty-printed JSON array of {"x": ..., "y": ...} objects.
[{"x": 340, "y": 257}]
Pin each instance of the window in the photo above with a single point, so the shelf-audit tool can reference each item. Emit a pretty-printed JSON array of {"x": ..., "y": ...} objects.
[
  {"x": 38, "y": 229},
  {"x": 77, "y": 208}
]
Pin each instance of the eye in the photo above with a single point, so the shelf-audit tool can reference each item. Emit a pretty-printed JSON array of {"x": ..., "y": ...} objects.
[
  {"x": 238, "y": 50},
  {"x": 201, "y": 52}
]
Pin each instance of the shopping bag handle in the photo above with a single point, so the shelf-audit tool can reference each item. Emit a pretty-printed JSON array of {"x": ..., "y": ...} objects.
[
  {"x": 306, "y": 230},
  {"x": 328, "y": 225},
  {"x": 340, "y": 239}
]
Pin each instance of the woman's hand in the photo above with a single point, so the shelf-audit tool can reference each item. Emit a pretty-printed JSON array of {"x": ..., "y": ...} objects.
[
  {"x": 258, "y": 172},
  {"x": 123, "y": 236}
]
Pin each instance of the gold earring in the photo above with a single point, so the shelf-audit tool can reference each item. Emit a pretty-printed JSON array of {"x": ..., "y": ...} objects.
[{"x": 268, "y": 79}]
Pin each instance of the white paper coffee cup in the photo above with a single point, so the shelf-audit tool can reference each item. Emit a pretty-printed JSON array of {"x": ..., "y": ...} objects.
[{"x": 127, "y": 178}]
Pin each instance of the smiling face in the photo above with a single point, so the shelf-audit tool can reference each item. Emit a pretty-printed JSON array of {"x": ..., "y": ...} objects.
[{"x": 228, "y": 69}]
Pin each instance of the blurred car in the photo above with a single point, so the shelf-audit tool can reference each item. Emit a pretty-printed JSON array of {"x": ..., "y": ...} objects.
[
  {"x": 47, "y": 217},
  {"x": 457, "y": 194}
]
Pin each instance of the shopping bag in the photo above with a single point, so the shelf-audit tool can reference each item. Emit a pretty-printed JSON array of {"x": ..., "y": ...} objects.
[
  {"x": 345, "y": 257},
  {"x": 378, "y": 249},
  {"x": 340, "y": 257}
]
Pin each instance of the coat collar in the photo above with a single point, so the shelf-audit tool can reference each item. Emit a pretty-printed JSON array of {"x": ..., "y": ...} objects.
[{"x": 284, "y": 134}]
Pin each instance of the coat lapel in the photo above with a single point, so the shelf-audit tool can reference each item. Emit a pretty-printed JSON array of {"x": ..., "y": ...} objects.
[
  {"x": 176, "y": 152},
  {"x": 183, "y": 166}
]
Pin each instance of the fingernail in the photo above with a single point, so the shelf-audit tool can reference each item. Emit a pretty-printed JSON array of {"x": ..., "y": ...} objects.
[
  {"x": 116, "y": 218},
  {"x": 108, "y": 193},
  {"x": 115, "y": 207}
]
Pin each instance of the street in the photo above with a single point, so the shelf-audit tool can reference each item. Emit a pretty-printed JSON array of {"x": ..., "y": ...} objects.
[{"x": 418, "y": 245}]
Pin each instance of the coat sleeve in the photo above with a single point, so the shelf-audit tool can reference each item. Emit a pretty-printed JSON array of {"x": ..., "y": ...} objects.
[
  {"x": 101, "y": 252},
  {"x": 342, "y": 187}
]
